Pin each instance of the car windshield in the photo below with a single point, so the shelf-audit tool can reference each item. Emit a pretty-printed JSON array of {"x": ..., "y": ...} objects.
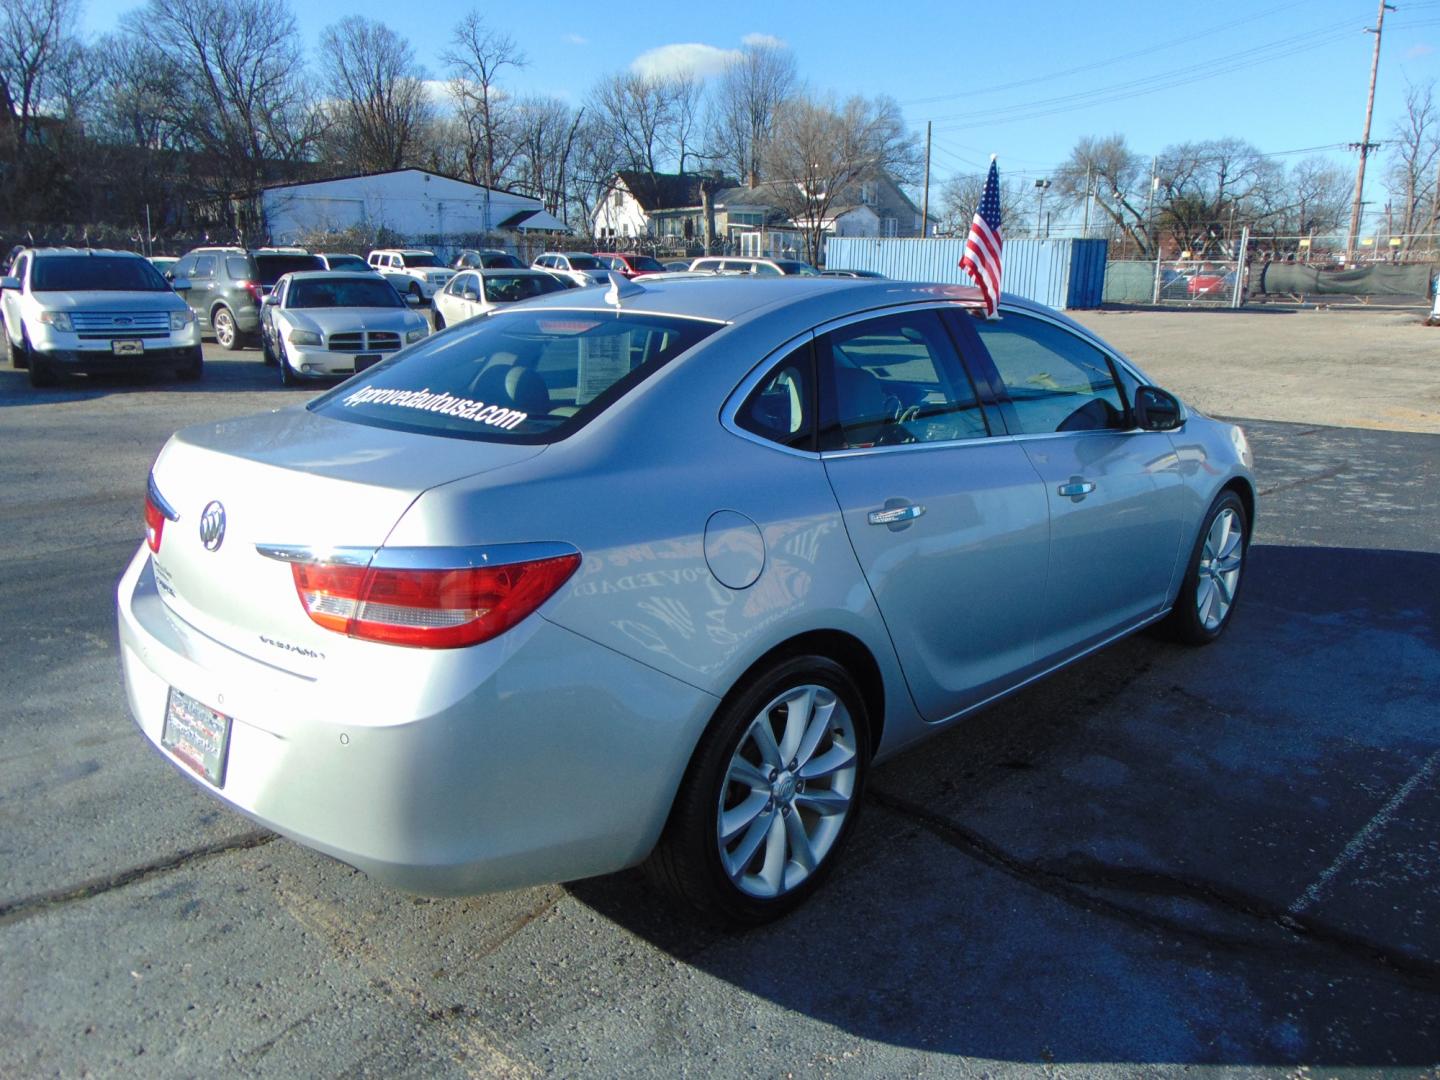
[
  {"x": 421, "y": 260},
  {"x": 271, "y": 268},
  {"x": 508, "y": 288},
  {"x": 343, "y": 292},
  {"x": 95, "y": 273},
  {"x": 585, "y": 262},
  {"x": 345, "y": 262},
  {"x": 645, "y": 262},
  {"x": 526, "y": 375},
  {"x": 794, "y": 266}
]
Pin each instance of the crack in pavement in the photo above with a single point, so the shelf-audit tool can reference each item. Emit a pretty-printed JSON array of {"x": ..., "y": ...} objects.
[
  {"x": 1327, "y": 474},
  {"x": 23, "y": 908},
  {"x": 1072, "y": 878}
]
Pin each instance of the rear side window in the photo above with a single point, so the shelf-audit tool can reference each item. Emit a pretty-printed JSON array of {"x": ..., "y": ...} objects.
[
  {"x": 204, "y": 267},
  {"x": 237, "y": 267},
  {"x": 509, "y": 288},
  {"x": 781, "y": 409},
  {"x": 527, "y": 376}
]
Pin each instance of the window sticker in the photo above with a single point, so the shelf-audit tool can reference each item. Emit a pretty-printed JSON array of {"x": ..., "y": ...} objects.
[
  {"x": 604, "y": 361},
  {"x": 444, "y": 403}
]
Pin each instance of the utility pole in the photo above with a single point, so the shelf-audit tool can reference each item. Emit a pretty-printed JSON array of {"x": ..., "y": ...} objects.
[
  {"x": 1150, "y": 200},
  {"x": 1087, "y": 201},
  {"x": 925, "y": 201},
  {"x": 1042, "y": 185},
  {"x": 1365, "y": 145}
]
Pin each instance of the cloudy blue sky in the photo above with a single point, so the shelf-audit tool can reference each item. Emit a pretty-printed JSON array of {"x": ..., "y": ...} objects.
[{"x": 1022, "y": 80}]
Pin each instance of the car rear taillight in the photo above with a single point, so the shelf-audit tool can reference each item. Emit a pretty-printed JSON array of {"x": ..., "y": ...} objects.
[
  {"x": 435, "y": 609},
  {"x": 253, "y": 288},
  {"x": 157, "y": 512}
]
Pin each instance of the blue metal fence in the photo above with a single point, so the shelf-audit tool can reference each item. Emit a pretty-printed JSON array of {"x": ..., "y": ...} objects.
[{"x": 1059, "y": 273}]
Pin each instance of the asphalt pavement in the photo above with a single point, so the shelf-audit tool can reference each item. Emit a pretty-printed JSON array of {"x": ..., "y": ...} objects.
[{"x": 1160, "y": 858}]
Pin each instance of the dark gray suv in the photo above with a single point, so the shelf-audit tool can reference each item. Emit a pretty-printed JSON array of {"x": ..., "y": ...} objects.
[{"x": 228, "y": 284}]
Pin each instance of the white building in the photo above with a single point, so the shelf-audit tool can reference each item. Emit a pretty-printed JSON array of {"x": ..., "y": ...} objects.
[{"x": 411, "y": 203}]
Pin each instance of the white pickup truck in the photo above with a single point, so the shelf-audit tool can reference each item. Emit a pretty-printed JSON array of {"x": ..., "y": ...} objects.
[{"x": 415, "y": 273}]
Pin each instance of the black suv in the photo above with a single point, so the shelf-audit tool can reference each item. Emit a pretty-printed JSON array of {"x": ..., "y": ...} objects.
[{"x": 227, "y": 285}]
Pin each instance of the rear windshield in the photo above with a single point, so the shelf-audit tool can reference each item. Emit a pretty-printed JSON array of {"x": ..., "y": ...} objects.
[
  {"x": 791, "y": 266},
  {"x": 522, "y": 375},
  {"x": 645, "y": 262},
  {"x": 85, "y": 273},
  {"x": 272, "y": 268},
  {"x": 508, "y": 288},
  {"x": 345, "y": 262},
  {"x": 343, "y": 292}
]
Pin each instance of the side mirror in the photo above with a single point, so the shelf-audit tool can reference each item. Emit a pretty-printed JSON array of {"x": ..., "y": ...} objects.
[
  {"x": 178, "y": 284},
  {"x": 169, "y": 275},
  {"x": 1156, "y": 410},
  {"x": 471, "y": 295},
  {"x": 9, "y": 283}
]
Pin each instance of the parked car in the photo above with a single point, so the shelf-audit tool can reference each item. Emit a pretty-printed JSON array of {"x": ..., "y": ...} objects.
[
  {"x": 474, "y": 292},
  {"x": 335, "y": 260},
  {"x": 632, "y": 266},
  {"x": 733, "y": 264},
  {"x": 1209, "y": 283},
  {"x": 163, "y": 262},
  {"x": 414, "y": 273},
  {"x": 677, "y": 265},
  {"x": 852, "y": 274},
  {"x": 579, "y": 267},
  {"x": 406, "y": 624},
  {"x": 487, "y": 259},
  {"x": 330, "y": 322},
  {"x": 73, "y": 310},
  {"x": 225, "y": 286}
]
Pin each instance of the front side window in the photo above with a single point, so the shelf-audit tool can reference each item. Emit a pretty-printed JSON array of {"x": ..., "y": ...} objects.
[
  {"x": 420, "y": 260},
  {"x": 512, "y": 288},
  {"x": 1055, "y": 380},
  {"x": 893, "y": 380},
  {"x": 525, "y": 375},
  {"x": 781, "y": 408}
]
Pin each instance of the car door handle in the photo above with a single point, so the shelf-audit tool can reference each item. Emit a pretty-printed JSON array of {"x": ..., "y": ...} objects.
[
  {"x": 896, "y": 514},
  {"x": 1076, "y": 489}
]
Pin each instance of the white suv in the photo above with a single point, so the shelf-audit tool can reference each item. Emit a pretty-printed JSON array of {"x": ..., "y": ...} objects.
[
  {"x": 415, "y": 273},
  {"x": 88, "y": 310}
]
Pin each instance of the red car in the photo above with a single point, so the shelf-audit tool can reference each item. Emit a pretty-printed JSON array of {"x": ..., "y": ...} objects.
[
  {"x": 632, "y": 266},
  {"x": 1209, "y": 282}
]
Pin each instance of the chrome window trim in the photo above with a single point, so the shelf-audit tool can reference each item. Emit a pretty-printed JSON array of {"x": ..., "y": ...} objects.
[
  {"x": 747, "y": 386},
  {"x": 420, "y": 558},
  {"x": 862, "y": 451}
]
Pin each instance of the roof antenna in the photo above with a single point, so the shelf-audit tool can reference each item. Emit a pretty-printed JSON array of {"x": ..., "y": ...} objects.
[{"x": 621, "y": 287}]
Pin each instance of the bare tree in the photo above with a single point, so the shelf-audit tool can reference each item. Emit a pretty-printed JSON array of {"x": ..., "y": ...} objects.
[
  {"x": 594, "y": 159},
  {"x": 1411, "y": 176},
  {"x": 821, "y": 151},
  {"x": 39, "y": 50},
  {"x": 960, "y": 196},
  {"x": 1115, "y": 179},
  {"x": 1206, "y": 186},
  {"x": 546, "y": 130},
  {"x": 243, "y": 99},
  {"x": 476, "y": 57},
  {"x": 377, "y": 102},
  {"x": 745, "y": 101},
  {"x": 687, "y": 92},
  {"x": 640, "y": 113}
]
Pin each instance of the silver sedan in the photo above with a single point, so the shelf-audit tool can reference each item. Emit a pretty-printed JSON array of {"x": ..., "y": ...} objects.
[{"x": 657, "y": 574}]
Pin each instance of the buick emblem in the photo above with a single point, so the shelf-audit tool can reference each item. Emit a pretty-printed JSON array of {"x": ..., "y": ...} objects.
[{"x": 212, "y": 525}]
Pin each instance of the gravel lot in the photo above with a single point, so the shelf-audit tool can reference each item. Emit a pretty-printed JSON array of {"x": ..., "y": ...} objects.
[{"x": 1159, "y": 859}]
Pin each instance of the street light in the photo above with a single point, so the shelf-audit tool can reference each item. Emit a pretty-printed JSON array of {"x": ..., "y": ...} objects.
[{"x": 1040, "y": 214}]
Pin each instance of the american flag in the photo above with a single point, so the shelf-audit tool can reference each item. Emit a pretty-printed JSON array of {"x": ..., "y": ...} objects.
[{"x": 983, "y": 246}]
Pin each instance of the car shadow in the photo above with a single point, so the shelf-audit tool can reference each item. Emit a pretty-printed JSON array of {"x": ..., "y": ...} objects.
[
  {"x": 240, "y": 371},
  {"x": 1158, "y": 856}
]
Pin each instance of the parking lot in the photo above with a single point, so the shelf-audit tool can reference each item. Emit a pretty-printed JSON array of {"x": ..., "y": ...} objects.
[{"x": 1160, "y": 858}]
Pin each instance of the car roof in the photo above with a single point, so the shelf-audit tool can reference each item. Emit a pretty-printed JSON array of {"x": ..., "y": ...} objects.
[
  {"x": 728, "y": 299},
  {"x": 331, "y": 275},
  {"x": 45, "y": 252},
  {"x": 506, "y": 271}
]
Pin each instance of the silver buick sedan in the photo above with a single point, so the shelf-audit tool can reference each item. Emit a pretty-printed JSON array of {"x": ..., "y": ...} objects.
[{"x": 658, "y": 574}]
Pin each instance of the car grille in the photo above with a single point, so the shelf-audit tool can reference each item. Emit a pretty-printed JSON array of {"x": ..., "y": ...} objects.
[
  {"x": 374, "y": 341},
  {"x": 103, "y": 325}
]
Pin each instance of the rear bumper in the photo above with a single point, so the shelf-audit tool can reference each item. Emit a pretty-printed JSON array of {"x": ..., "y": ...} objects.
[{"x": 537, "y": 757}]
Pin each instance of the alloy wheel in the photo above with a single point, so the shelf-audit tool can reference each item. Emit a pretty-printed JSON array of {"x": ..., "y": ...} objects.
[
  {"x": 788, "y": 791},
  {"x": 1219, "y": 569}
]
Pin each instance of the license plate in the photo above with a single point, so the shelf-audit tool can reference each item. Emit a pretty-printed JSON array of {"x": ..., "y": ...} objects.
[
  {"x": 197, "y": 735},
  {"x": 365, "y": 360},
  {"x": 127, "y": 347}
]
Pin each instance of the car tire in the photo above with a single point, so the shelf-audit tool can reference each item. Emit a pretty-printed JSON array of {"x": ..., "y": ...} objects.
[
  {"x": 194, "y": 369},
  {"x": 12, "y": 354},
  {"x": 41, "y": 373},
  {"x": 417, "y": 294},
  {"x": 19, "y": 354},
  {"x": 770, "y": 796},
  {"x": 1213, "y": 575},
  {"x": 227, "y": 334},
  {"x": 439, "y": 320},
  {"x": 267, "y": 354},
  {"x": 288, "y": 375}
]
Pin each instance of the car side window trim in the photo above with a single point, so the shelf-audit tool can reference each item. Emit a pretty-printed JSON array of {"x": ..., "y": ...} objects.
[{"x": 748, "y": 385}]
